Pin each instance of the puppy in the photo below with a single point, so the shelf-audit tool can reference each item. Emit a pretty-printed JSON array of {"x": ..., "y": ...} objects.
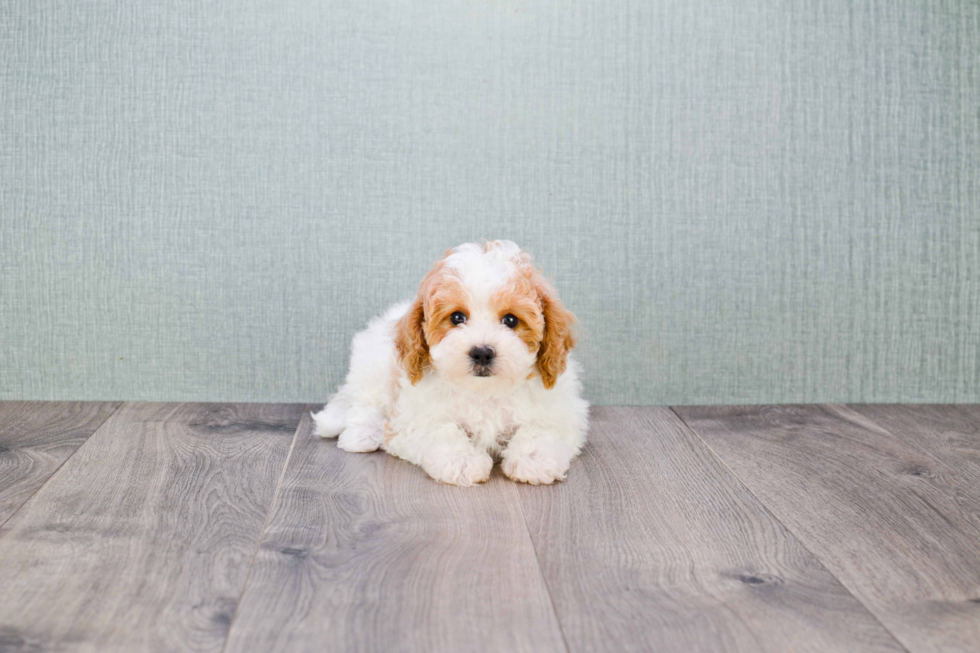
[{"x": 477, "y": 367}]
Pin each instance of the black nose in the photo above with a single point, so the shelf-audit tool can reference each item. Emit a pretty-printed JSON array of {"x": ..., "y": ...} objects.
[{"x": 482, "y": 355}]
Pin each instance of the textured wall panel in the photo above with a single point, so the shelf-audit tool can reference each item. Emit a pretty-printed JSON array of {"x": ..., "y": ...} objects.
[{"x": 743, "y": 200}]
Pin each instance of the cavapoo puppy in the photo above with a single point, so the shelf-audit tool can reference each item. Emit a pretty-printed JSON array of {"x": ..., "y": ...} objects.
[{"x": 477, "y": 367}]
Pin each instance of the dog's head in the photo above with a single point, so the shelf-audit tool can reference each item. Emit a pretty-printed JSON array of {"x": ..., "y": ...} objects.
[{"x": 486, "y": 319}]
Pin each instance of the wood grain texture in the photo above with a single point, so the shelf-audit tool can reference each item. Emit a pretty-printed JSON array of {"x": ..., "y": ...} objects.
[
  {"x": 946, "y": 436},
  {"x": 363, "y": 552},
  {"x": 36, "y": 438},
  {"x": 143, "y": 539},
  {"x": 894, "y": 516},
  {"x": 651, "y": 544}
]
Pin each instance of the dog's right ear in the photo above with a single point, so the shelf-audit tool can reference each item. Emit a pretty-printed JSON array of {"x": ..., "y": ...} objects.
[{"x": 413, "y": 350}]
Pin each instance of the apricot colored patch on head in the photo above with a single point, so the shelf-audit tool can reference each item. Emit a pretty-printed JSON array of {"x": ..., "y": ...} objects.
[
  {"x": 557, "y": 338},
  {"x": 445, "y": 295},
  {"x": 519, "y": 298},
  {"x": 409, "y": 336}
]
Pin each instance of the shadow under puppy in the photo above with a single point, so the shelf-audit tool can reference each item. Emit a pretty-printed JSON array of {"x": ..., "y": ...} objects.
[{"x": 477, "y": 367}]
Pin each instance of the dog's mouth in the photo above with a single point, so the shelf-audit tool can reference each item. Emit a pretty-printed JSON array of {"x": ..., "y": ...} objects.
[{"x": 482, "y": 370}]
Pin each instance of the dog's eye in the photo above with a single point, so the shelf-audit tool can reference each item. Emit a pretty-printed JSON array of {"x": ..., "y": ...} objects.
[
  {"x": 457, "y": 318},
  {"x": 509, "y": 321}
]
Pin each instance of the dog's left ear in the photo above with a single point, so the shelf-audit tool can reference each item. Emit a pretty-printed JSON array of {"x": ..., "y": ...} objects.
[
  {"x": 413, "y": 350},
  {"x": 558, "y": 339}
]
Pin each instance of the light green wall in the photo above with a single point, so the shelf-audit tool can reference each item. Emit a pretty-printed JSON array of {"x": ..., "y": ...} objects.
[{"x": 743, "y": 200}]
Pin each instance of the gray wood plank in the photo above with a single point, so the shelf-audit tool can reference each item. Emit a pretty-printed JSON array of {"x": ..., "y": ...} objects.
[
  {"x": 651, "y": 544},
  {"x": 897, "y": 524},
  {"x": 363, "y": 552},
  {"x": 143, "y": 539},
  {"x": 36, "y": 438},
  {"x": 947, "y": 437}
]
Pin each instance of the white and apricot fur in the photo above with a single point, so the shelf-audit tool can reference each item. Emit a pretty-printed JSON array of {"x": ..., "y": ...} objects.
[{"x": 415, "y": 389}]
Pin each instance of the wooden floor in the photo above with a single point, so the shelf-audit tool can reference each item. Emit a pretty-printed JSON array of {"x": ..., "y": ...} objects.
[{"x": 230, "y": 527}]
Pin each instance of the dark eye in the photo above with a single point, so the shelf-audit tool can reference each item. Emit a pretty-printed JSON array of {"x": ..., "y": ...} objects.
[
  {"x": 457, "y": 318},
  {"x": 509, "y": 321}
]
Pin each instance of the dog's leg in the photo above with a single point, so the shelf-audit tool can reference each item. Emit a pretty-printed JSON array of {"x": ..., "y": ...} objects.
[
  {"x": 445, "y": 453},
  {"x": 363, "y": 431},
  {"x": 539, "y": 456},
  {"x": 330, "y": 421}
]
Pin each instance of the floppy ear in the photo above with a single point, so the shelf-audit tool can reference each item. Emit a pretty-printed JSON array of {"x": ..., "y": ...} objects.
[
  {"x": 413, "y": 350},
  {"x": 557, "y": 340}
]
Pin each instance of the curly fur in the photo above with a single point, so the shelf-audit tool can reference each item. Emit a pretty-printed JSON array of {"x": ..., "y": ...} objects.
[{"x": 414, "y": 390}]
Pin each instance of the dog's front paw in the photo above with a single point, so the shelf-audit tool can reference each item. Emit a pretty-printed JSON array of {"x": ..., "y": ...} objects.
[
  {"x": 359, "y": 438},
  {"x": 458, "y": 467},
  {"x": 534, "y": 466}
]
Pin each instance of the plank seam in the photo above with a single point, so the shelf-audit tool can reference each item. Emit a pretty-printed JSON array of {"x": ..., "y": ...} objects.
[
  {"x": 537, "y": 562},
  {"x": 268, "y": 517},
  {"x": 58, "y": 468},
  {"x": 799, "y": 540}
]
